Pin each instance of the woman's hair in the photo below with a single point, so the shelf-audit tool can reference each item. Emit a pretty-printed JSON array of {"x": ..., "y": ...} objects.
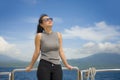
[{"x": 40, "y": 29}]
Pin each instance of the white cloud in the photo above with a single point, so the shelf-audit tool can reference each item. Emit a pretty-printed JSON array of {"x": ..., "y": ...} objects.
[
  {"x": 71, "y": 53},
  {"x": 8, "y": 49},
  {"x": 106, "y": 47},
  {"x": 100, "y": 38},
  {"x": 99, "y": 32},
  {"x": 91, "y": 48},
  {"x": 21, "y": 51}
]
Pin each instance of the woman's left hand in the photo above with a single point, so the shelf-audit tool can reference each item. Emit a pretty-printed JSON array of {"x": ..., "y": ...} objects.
[{"x": 69, "y": 67}]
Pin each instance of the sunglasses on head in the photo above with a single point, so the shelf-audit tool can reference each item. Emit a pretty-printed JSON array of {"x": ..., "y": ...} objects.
[{"x": 47, "y": 19}]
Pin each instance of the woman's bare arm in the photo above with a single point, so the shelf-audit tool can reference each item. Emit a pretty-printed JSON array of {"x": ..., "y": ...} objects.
[
  {"x": 61, "y": 52},
  {"x": 36, "y": 51}
]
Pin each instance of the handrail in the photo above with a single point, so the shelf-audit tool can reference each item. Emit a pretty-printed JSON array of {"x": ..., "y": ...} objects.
[
  {"x": 6, "y": 73},
  {"x": 19, "y": 70},
  {"x": 102, "y": 70},
  {"x": 98, "y": 70},
  {"x": 80, "y": 73},
  {"x": 34, "y": 69}
]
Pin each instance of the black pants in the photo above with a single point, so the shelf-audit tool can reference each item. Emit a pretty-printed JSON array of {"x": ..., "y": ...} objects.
[{"x": 49, "y": 71}]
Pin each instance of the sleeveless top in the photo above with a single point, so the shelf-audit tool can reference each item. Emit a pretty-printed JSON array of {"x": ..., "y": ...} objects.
[{"x": 50, "y": 47}]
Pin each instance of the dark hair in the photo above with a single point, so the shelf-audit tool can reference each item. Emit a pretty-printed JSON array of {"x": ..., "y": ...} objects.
[{"x": 40, "y": 29}]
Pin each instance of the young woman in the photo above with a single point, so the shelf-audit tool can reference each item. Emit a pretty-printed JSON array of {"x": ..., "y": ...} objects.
[{"x": 49, "y": 44}]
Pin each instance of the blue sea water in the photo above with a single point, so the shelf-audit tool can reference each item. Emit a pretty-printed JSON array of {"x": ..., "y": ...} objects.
[{"x": 67, "y": 75}]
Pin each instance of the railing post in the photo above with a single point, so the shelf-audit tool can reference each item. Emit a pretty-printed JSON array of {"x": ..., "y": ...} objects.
[{"x": 6, "y": 73}]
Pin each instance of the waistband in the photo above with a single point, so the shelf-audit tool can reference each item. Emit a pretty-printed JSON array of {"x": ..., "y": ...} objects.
[{"x": 49, "y": 63}]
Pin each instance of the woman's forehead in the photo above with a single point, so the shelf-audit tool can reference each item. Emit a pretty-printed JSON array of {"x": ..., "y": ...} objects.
[{"x": 45, "y": 17}]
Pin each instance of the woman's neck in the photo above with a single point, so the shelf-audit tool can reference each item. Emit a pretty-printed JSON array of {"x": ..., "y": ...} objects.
[{"x": 48, "y": 30}]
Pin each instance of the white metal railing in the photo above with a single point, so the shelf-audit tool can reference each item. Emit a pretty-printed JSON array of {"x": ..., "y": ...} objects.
[
  {"x": 99, "y": 70},
  {"x": 6, "y": 73},
  {"x": 19, "y": 70},
  {"x": 79, "y": 73},
  {"x": 34, "y": 69},
  {"x": 103, "y": 70}
]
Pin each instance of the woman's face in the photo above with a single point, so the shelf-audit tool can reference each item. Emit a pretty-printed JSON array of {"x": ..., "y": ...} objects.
[{"x": 47, "y": 22}]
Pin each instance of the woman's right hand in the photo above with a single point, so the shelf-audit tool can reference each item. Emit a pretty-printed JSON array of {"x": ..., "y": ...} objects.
[{"x": 28, "y": 69}]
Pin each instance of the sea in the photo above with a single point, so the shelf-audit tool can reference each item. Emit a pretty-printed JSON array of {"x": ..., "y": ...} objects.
[{"x": 67, "y": 75}]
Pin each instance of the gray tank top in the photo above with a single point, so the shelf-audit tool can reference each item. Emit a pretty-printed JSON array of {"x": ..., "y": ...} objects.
[{"x": 50, "y": 47}]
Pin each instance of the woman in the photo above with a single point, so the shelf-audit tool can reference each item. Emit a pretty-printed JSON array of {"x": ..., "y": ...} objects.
[{"x": 49, "y": 44}]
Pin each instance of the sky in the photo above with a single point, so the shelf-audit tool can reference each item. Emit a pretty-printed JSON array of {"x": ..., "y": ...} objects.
[{"x": 88, "y": 27}]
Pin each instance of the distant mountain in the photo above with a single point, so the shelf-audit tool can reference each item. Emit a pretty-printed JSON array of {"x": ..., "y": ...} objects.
[
  {"x": 101, "y": 60},
  {"x": 4, "y": 58},
  {"x": 10, "y": 62}
]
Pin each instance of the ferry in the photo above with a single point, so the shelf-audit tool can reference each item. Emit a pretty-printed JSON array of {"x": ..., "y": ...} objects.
[{"x": 74, "y": 74}]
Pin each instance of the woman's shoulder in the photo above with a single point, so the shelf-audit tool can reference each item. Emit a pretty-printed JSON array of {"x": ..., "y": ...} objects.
[
  {"x": 38, "y": 35},
  {"x": 59, "y": 34}
]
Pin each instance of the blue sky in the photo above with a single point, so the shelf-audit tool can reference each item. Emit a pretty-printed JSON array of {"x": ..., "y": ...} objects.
[{"x": 88, "y": 26}]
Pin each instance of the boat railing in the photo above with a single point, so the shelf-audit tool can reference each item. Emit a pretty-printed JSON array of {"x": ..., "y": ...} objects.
[
  {"x": 96, "y": 71},
  {"x": 19, "y": 70},
  {"x": 6, "y": 73},
  {"x": 79, "y": 73},
  {"x": 14, "y": 72}
]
